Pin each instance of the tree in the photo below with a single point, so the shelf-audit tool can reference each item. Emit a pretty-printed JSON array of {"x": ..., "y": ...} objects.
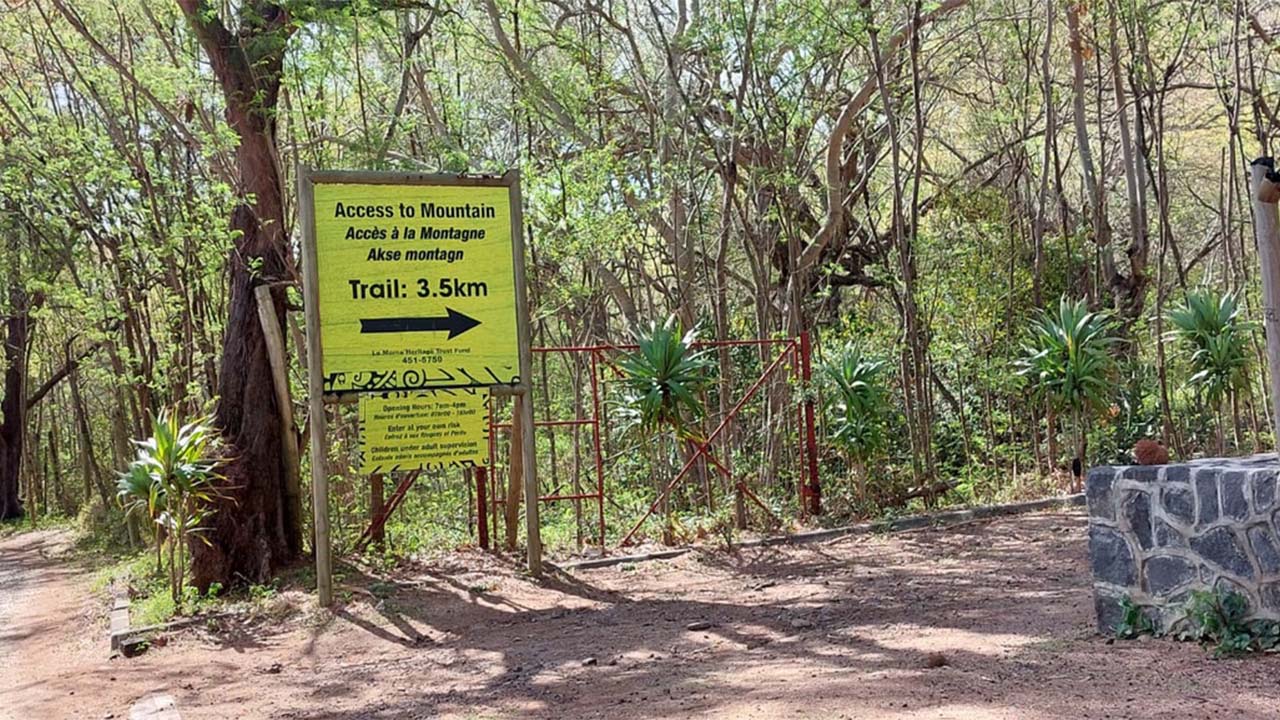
[
  {"x": 13, "y": 408},
  {"x": 1216, "y": 339},
  {"x": 252, "y": 533},
  {"x": 1068, "y": 361}
]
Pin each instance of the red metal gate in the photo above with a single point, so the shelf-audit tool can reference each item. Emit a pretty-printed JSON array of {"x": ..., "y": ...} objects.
[{"x": 794, "y": 353}]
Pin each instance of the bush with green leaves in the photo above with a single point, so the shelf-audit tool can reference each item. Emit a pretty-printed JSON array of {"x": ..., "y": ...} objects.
[
  {"x": 855, "y": 406},
  {"x": 173, "y": 482},
  {"x": 142, "y": 498},
  {"x": 1067, "y": 361},
  {"x": 1215, "y": 337},
  {"x": 1219, "y": 618},
  {"x": 1134, "y": 621},
  {"x": 663, "y": 380}
]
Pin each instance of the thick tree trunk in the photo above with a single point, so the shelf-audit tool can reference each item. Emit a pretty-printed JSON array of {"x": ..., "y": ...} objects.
[
  {"x": 251, "y": 534},
  {"x": 249, "y": 537},
  {"x": 13, "y": 408}
]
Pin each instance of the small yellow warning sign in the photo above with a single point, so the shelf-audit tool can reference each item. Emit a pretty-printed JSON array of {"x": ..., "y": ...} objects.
[{"x": 412, "y": 430}]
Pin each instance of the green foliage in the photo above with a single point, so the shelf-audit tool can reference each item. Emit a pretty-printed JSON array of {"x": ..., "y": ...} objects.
[
  {"x": 1215, "y": 337},
  {"x": 1134, "y": 621},
  {"x": 173, "y": 479},
  {"x": 855, "y": 408},
  {"x": 1068, "y": 357},
  {"x": 118, "y": 182},
  {"x": 855, "y": 402},
  {"x": 1218, "y": 618},
  {"x": 663, "y": 378}
]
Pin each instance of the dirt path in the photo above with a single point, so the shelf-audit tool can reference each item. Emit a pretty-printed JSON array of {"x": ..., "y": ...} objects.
[
  {"x": 840, "y": 630},
  {"x": 44, "y": 615}
]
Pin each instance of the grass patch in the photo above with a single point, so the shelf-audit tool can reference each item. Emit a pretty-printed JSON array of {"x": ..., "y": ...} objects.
[
  {"x": 12, "y": 527},
  {"x": 17, "y": 526}
]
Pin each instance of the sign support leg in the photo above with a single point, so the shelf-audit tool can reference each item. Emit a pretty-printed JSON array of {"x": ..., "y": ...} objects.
[
  {"x": 533, "y": 532},
  {"x": 315, "y": 388}
]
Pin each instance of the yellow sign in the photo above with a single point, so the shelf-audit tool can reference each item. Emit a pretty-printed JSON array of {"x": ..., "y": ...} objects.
[
  {"x": 416, "y": 285},
  {"x": 424, "y": 429}
]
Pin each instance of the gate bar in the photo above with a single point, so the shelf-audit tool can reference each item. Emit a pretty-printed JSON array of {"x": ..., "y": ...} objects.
[{"x": 710, "y": 439}]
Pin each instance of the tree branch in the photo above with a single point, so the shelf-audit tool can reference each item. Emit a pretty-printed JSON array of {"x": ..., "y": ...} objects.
[{"x": 844, "y": 123}]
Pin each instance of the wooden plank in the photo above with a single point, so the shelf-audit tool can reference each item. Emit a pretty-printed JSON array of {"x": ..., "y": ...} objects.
[
  {"x": 1266, "y": 224},
  {"x": 315, "y": 388},
  {"x": 280, "y": 381},
  {"x": 533, "y": 533},
  {"x": 119, "y": 619}
]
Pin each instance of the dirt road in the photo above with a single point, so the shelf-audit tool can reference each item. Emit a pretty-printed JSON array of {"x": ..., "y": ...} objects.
[
  {"x": 990, "y": 620},
  {"x": 44, "y": 612}
]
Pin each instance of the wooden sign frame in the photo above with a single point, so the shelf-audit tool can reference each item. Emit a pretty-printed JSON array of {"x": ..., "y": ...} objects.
[{"x": 308, "y": 178}]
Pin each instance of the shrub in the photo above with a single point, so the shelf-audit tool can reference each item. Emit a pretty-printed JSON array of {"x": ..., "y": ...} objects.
[
  {"x": 173, "y": 480},
  {"x": 854, "y": 408}
]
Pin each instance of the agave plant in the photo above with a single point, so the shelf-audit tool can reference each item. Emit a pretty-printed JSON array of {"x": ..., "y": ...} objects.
[
  {"x": 142, "y": 498},
  {"x": 1068, "y": 362},
  {"x": 1215, "y": 337},
  {"x": 176, "y": 468},
  {"x": 662, "y": 380},
  {"x": 854, "y": 406}
]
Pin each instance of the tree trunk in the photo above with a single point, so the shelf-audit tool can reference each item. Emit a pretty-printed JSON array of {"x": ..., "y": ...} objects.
[
  {"x": 377, "y": 497},
  {"x": 1097, "y": 207},
  {"x": 250, "y": 535},
  {"x": 1051, "y": 432},
  {"x": 13, "y": 409},
  {"x": 88, "y": 456}
]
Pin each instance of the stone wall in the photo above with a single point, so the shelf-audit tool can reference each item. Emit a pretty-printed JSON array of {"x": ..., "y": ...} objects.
[{"x": 1157, "y": 532}]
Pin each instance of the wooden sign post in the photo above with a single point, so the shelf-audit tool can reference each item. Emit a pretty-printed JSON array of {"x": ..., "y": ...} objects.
[
  {"x": 1266, "y": 224},
  {"x": 413, "y": 282}
]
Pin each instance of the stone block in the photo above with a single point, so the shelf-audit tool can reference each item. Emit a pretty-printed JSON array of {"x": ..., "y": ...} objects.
[
  {"x": 1177, "y": 474},
  {"x": 1109, "y": 612},
  {"x": 1264, "y": 491},
  {"x": 1179, "y": 504},
  {"x": 1221, "y": 547},
  {"x": 1232, "y": 491},
  {"x": 1206, "y": 481},
  {"x": 1098, "y": 493},
  {"x": 1168, "y": 535},
  {"x": 1264, "y": 549},
  {"x": 1136, "y": 511},
  {"x": 1226, "y": 585},
  {"x": 1269, "y": 596},
  {"x": 1142, "y": 473},
  {"x": 1164, "y": 574},
  {"x": 1110, "y": 557}
]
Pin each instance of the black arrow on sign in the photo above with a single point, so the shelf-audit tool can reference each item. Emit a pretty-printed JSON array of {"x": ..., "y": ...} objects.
[{"x": 454, "y": 322}]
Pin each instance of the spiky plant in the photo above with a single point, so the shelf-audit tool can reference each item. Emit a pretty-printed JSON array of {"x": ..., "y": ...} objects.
[
  {"x": 1067, "y": 360},
  {"x": 178, "y": 464},
  {"x": 1215, "y": 337},
  {"x": 854, "y": 407},
  {"x": 141, "y": 495},
  {"x": 663, "y": 379}
]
